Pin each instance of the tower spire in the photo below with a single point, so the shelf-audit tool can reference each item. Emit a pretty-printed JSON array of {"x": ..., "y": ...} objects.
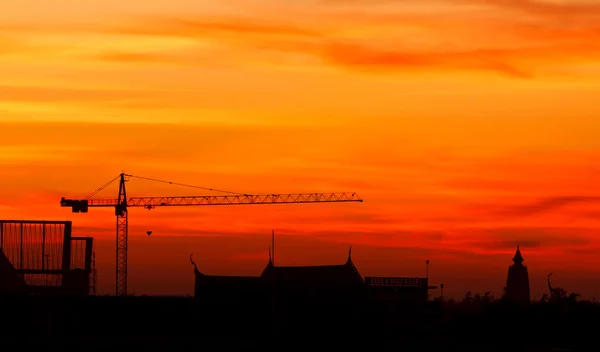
[
  {"x": 518, "y": 259},
  {"x": 517, "y": 281}
]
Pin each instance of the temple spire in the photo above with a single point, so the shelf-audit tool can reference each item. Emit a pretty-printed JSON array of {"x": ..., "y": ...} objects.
[
  {"x": 517, "y": 281},
  {"x": 518, "y": 259}
]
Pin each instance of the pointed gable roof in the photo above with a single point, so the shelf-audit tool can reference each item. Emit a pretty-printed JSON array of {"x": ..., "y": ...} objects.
[
  {"x": 341, "y": 274},
  {"x": 321, "y": 275}
]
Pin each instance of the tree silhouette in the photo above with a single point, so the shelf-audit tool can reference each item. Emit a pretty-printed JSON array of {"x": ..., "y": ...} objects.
[
  {"x": 468, "y": 298},
  {"x": 488, "y": 296},
  {"x": 562, "y": 295},
  {"x": 573, "y": 297},
  {"x": 561, "y": 292},
  {"x": 471, "y": 298}
]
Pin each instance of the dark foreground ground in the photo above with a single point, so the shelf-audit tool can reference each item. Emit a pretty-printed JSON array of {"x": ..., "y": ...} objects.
[{"x": 166, "y": 324}]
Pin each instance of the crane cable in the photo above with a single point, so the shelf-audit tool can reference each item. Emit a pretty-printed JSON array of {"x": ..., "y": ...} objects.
[
  {"x": 102, "y": 187},
  {"x": 185, "y": 185}
]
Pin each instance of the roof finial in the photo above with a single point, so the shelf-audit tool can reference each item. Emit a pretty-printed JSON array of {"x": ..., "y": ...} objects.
[
  {"x": 196, "y": 271},
  {"x": 350, "y": 254},
  {"x": 270, "y": 259}
]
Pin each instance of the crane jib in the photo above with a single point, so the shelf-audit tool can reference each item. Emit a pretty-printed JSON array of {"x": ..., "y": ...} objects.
[{"x": 83, "y": 205}]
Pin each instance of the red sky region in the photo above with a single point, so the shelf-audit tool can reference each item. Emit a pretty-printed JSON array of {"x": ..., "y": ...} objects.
[{"x": 468, "y": 127}]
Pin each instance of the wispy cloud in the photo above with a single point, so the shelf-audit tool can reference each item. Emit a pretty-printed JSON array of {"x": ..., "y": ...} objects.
[
  {"x": 209, "y": 26},
  {"x": 58, "y": 94},
  {"x": 545, "y": 7},
  {"x": 398, "y": 40},
  {"x": 548, "y": 205},
  {"x": 364, "y": 57},
  {"x": 550, "y": 209},
  {"x": 508, "y": 238}
]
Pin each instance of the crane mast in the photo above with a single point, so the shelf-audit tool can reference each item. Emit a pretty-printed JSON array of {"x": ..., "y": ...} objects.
[
  {"x": 122, "y": 203},
  {"x": 122, "y": 239}
]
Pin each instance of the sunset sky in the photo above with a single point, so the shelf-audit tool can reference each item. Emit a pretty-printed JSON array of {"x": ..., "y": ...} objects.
[{"x": 468, "y": 127}]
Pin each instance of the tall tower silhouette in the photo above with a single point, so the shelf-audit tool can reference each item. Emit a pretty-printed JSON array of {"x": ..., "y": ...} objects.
[{"x": 517, "y": 282}]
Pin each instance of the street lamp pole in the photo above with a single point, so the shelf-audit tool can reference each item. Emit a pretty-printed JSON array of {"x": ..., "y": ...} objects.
[{"x": 47, "y": 258}]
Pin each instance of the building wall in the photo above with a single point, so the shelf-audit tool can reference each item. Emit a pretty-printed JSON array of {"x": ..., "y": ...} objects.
[{"x": 517, "y": 284}]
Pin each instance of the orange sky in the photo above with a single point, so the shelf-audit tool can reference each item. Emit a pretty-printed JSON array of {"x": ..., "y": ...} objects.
[{"x": 468, "y": 126}]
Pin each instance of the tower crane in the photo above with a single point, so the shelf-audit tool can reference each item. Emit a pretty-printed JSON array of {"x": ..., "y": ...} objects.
[{"x": 122, "y": 203}]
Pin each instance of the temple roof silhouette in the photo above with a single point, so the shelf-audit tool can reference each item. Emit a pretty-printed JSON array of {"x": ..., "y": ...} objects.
[
  {"x": 333, "y": 274},
  {"x": 316, "y": 274}
]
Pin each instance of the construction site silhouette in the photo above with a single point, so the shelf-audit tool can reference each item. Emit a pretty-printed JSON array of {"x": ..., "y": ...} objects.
[
  {"x": 54, "y": 298},
  {"x": 48, "y": 296}
]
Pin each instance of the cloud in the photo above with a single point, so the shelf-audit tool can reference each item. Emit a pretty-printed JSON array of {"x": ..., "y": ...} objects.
[
  {"x": 117, "y": 98},
  {"x": 545, "y": 7},
  {"x": 399, "y": 40},
  {"x": 56, "y": 94},
  {"x": 461, "y": 246},
  {"x": 508, "y": 238},
  {"x": 207, "y": 26},
  {"x": 14, "y": 47},
  {"x": 204, "y": 153},
  {"x": 135, "y": 57},
  {"x": 536, "y": 43},
  {"x": 545, "y": 205},
  {"x": 466, "y": 240},
  {"x": 382, "y": 60}
]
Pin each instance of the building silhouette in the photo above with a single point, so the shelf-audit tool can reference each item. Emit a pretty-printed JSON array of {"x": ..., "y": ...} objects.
[
  {"x": 517, "y": 281},
  {"x": 291, "y": 294},
  {"x": 312, "y": 283},
  {"x": 42, "y": 258}
]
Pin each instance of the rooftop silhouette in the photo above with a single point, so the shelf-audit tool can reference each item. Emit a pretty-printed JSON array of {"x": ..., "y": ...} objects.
[{"x": 282, "y": 301}]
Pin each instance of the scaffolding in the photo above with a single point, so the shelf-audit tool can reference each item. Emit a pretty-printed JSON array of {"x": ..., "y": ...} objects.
[
  {"x": 93, "y": 275},
  {"x": 45, "y": 257}
]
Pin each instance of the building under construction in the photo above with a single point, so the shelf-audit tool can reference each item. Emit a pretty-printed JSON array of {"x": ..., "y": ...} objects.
[{"x": 42, "y": 258}]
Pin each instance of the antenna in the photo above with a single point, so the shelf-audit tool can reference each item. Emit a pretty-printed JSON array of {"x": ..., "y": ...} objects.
[{"x": 273, "y": 246}]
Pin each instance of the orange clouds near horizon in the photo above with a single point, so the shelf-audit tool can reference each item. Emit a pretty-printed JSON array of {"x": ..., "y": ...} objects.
[{"x": 468, "y": 127}]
